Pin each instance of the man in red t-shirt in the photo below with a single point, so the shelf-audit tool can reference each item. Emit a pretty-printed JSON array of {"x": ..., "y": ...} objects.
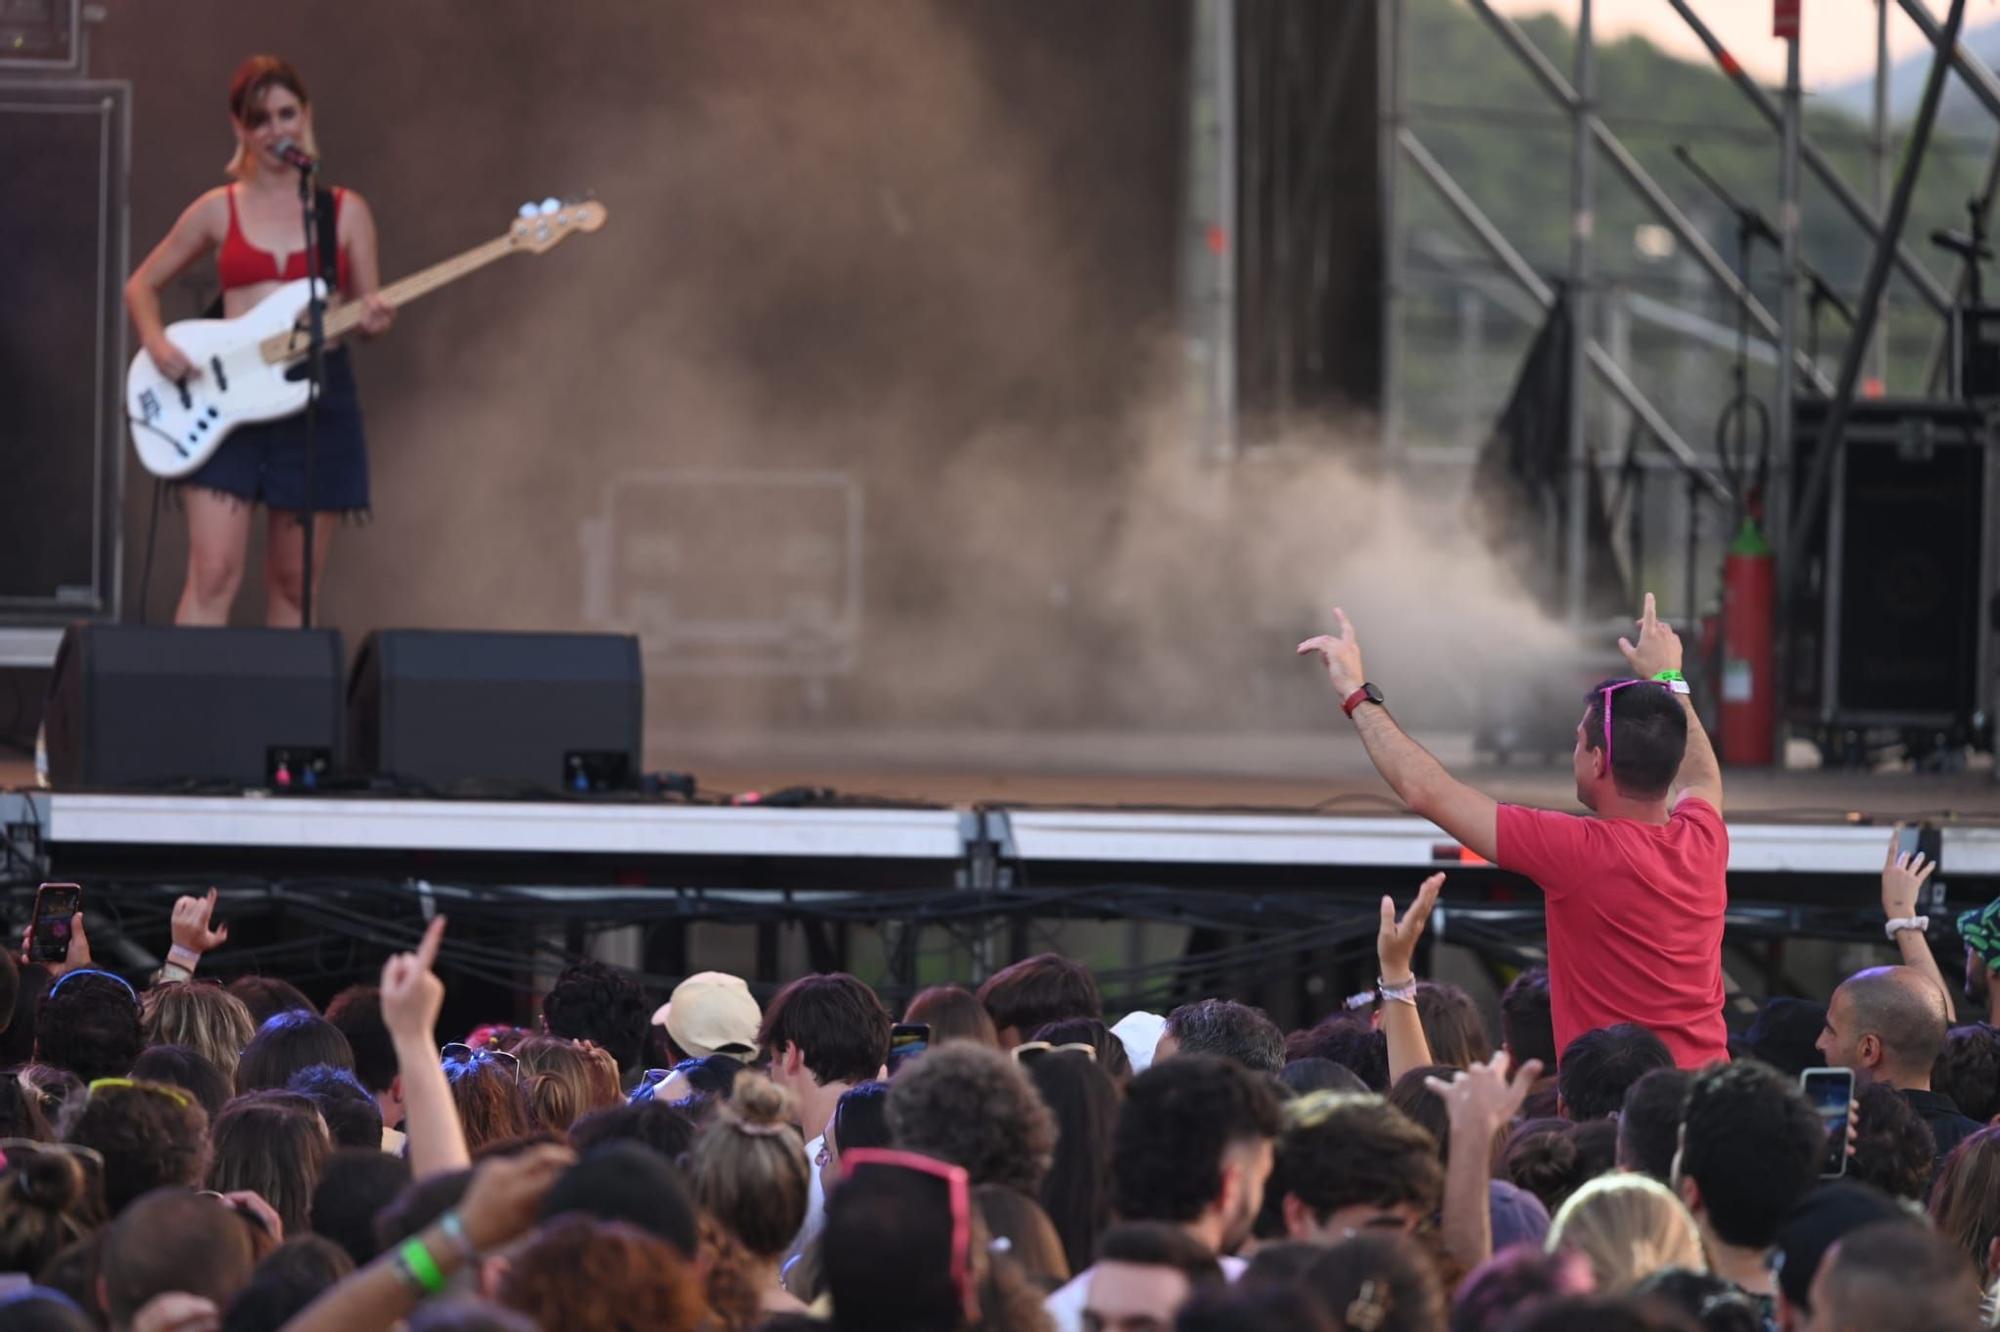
[{"x": 1636, "y": 894}]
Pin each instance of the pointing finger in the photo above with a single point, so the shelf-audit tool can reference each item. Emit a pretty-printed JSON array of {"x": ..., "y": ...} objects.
[{"x": 427, "y": 951}]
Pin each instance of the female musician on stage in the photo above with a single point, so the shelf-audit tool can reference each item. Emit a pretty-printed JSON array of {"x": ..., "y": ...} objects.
[{"x": 254, "y": 226}]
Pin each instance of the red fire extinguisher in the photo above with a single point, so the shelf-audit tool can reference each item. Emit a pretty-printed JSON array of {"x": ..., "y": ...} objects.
[{"x": 1749, "y": 654}]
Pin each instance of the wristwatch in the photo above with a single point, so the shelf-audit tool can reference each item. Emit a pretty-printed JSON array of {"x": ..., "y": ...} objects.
[{"x": 1368, "y": 693}]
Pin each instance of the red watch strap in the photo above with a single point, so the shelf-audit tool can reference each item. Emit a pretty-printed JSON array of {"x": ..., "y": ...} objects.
[{"x": 1354, "y": 700}]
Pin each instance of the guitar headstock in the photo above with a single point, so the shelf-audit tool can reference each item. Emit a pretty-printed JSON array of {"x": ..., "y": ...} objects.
[{"x": 542, "y": 226}]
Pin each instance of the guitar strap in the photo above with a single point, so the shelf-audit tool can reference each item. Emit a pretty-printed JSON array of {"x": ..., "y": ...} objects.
[{"x": 329, "y": 250}]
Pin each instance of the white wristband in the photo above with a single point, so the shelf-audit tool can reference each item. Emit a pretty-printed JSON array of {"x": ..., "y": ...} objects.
[
  {"x": 183, "y": 957},
  {"x": 1901, "y": 923}
]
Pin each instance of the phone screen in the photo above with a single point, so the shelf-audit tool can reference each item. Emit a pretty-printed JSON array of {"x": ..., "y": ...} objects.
[
  {"x": 1909, "y": 839},
  {"x": 909, "y": 1035},
  {"x": 1830, "y": 1090},
  {"x": 48, "y": 938}
]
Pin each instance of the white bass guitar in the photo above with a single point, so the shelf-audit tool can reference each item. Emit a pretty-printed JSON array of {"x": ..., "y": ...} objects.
[{"x": 253, "y": 367}]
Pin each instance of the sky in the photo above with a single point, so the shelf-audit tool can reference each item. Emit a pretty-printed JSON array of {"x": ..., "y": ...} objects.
[{"x": 1837, "y": 45}]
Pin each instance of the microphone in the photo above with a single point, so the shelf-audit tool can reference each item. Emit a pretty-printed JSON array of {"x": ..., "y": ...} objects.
[{"x": 289, "y": 151}]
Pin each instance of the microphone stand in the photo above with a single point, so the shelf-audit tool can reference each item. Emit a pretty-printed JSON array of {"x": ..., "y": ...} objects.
[
  {"x": 315, "y": 372},
  {"x": 1743, "y": 410}
]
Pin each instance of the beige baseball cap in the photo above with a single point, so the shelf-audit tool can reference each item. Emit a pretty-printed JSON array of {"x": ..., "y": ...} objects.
[{"x": 709, "y": 1012}]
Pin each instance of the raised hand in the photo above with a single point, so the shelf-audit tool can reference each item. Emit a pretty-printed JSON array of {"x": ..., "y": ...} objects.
[
  {"x": 506, "y": 1193},
  {"x": 412, "y": 994},
  {"x": 191, "y": 929},
  {"x": 1396, "y": 940},
  {"x": 1658, "y": 648},
  {"x": 1903, "y": 876},
  {"x": 1482, "y": 1099},
  {"x": 76, "y": 958},
  {"x": 1340, "y": 653}
]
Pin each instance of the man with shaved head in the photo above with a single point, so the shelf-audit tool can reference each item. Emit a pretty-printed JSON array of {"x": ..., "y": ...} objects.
[
  {"x": 1888, "y": 1025},
  {"x": 1898, "y": 1274}
]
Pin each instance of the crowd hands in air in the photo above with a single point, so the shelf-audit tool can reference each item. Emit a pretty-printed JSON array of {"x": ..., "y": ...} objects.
[{"x": 195, "y": 1156}]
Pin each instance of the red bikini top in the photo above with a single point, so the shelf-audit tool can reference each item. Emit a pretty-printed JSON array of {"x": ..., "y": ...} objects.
[{"x": 240, "y": 263}]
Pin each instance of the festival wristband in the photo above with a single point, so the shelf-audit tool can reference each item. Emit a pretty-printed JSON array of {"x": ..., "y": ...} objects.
[
  {"x": 1895, "y": 927},
  {"x": 1673, "y": 680},
  {"x": 422, "y": 1271},
  {"x": 183, "y": 957}
]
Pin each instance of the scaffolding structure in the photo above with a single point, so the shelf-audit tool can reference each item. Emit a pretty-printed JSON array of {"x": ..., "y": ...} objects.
[{"x": 1604, "y": 314}]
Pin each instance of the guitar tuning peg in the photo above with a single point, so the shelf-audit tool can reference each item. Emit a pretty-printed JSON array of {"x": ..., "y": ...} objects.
[
  {"x": 551, "y": 205},
  {"x": 529, "y": 210}
]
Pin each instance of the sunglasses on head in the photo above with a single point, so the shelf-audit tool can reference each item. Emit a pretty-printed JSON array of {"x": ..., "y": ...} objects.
[
  {"x": 1029, "y": 1050},
  {"x": 1606, "y": 693},
  {"x": 458, "y": 1052},
  {"x": 958, "y": 1189}
]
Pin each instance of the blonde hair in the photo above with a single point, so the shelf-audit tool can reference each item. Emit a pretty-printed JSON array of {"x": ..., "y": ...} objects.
[
  {"x": 253, "y": 79},
  {"x": 565, "y": 1081},
  {"x": 1627, "y": 1227},
  {"x": 205, "y": 1018},
  {"x": 750, "y": 1169}
]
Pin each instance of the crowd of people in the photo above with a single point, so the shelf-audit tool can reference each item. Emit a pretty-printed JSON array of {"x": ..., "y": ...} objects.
[
  {"x": 205, "y": 1156},
  {"x": 195, "y": 1156}
]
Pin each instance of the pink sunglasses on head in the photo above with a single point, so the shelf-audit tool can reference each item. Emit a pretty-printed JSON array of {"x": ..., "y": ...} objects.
[
  {"x": 1607, "y": 692},
  {"x": 959, "y": 1186}
]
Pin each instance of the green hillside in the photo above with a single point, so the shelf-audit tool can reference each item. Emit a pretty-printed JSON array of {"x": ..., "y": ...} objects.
[{"x": 1476, "y": 107}]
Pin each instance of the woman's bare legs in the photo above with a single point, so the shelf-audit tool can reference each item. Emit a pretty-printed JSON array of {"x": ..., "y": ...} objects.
[
  {"x": 218, "y": 535},
  {"x": 285, "y": 562}
]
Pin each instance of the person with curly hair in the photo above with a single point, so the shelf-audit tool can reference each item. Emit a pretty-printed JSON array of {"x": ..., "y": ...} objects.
[
  {"x": 565, "y": 1081},
  {"x": 1750, "y": 1150},
  {"x": 577, "y": 1272},
  {"x": 1893, "y": 1148},
  {"x": 88, "y": 1024},
  {"x": 600, "y": 1004},
  {"x": 1968, "y": 1071},
  {"x": 1192, "y": 1148},
  {"x": 202, "y": 1016},
  {"x": 974, "y": 1107},
  {"x": 150, "y": 1136}
]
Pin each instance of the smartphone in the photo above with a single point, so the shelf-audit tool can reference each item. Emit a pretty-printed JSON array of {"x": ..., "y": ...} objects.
[
  {"x": 1909, "y": 839},
  {"x": 908, "y": 1037},
  {"x": 48, "y": 935},
  {"x": 1830, "y": 1090}
]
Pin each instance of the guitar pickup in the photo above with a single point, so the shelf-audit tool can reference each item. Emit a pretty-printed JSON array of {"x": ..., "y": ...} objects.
[{"x": 221, "y": 380}]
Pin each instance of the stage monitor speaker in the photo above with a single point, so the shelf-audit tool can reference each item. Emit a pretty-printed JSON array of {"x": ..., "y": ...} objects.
[
  {"x": 133, "y": 706},
  {"x": 512, "y": 713},
  {"x": 1893, "y": 631}
]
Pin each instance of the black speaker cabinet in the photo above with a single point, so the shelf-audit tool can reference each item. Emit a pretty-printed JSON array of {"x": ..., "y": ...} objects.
[
  {"x": 1893, "y": 630},
  {"x": 459, "y": 712},
  {"x": 134, "y": 706}
]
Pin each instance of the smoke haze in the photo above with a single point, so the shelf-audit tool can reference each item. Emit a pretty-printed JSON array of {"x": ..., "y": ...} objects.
[{"x": 863, "y": 408}]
